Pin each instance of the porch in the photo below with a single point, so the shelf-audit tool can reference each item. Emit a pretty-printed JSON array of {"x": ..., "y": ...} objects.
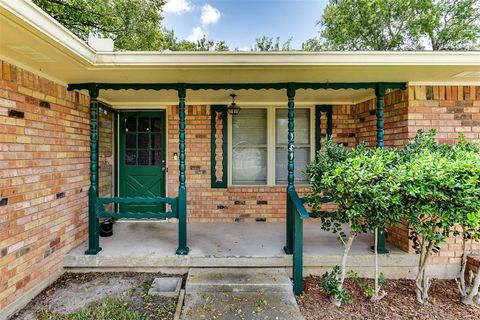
[{"x": 150, "y": 246}]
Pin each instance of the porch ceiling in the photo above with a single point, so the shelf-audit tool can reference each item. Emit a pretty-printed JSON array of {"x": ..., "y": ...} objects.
[{"x": 130, "y": 99}]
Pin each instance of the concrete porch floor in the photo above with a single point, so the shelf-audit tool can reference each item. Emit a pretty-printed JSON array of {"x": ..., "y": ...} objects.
[{"x": 149, "y": 245}]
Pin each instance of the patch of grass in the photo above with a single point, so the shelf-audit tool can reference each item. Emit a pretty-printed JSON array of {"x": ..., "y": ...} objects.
[{"x": 112, "y": 309}]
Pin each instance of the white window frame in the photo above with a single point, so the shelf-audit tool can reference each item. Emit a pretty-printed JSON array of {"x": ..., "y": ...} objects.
[{"x": 271, "y": 143}]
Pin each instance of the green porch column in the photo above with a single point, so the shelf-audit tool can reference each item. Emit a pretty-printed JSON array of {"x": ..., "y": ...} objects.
[
  {"x": 380, "y": 93},
  {"x": 182, "y": 189},
  {"x": 93, "y": 224},
  {"x": 291, "y": 167}
]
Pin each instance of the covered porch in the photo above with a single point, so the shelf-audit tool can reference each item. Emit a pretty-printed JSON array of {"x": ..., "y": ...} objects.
[
  {"x": 151, "y": 245},
  {"x": 145, "y": 203}
]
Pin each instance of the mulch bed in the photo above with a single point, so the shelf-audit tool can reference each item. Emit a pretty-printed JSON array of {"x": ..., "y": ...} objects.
[{"x": 399, "y": 303}]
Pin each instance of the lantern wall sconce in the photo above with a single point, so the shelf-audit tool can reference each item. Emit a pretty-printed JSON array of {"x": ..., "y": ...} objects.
[{"x": 233, "y": 109}]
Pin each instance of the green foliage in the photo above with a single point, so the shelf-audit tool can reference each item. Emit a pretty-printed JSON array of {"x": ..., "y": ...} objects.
[
  {"x": 441, "y": 187},
  {"x": 362, "y": 182},
  {"x": 398, "y": 25},
  {"x": 132, "y": 24},
  {"x": 450, "y": 24},
  {"x": 368, "y": 290},
  {"x": 269, "y": 44},
  {"x": 330, "y": 283},
  {"x": 110, "y": 309}
]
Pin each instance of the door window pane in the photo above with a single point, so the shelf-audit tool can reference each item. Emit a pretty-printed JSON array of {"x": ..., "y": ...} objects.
[
  {"x": 131, "y": 140},
  {"x": 156, "y": 125},
  {"x": 302, "y": 145},
  {"x": 156, "y": 158},
  {"x": 143, "y": 140},
  {"x": 249, "y": 152},
  {"x": 143, "y": 124},
  {"x": 131, "y": 157},
  {"x": 143, "y": 158},
  {"x": 131, "y": 124},
  {"x": 156, "y": 141}
]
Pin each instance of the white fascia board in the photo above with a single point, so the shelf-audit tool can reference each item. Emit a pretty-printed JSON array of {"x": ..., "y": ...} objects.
[
  {"x": 50, "y": 29},
  {"x": 288, "y": 59}
]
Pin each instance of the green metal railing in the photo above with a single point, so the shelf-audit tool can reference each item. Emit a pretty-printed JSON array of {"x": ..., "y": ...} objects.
[
  {"x": 100, "y": 211},
  {"x": 299, "y": 214},
  {"x": 103, "y": 213}
]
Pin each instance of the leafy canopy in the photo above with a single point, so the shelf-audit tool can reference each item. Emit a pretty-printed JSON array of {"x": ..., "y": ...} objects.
[
  {"x": 361, "y": 181},
  {"x": 132, "y": 24},
  {"x": 398, "y": 25}
]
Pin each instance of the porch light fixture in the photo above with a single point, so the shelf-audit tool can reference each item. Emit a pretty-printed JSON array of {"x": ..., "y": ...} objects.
[{"x": 233, "y": 109}]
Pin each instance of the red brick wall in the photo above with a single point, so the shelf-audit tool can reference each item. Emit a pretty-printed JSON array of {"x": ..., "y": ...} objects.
[
  {"x": 448, "y": 109},
  {"x": 105, "y": 153},
  {"x": 42, "y": 156}
]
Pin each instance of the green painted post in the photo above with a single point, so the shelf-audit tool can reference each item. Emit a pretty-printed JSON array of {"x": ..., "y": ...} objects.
[
  {"x": 380, "y": 93},
  {"x": 93, "y": 224},
  {"x": 182, "y": 189},
  {"x": 291, "y": 167},
  {"x": 298, "y": 256}
]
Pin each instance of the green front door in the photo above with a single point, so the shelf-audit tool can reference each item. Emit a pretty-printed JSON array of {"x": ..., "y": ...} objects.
[{"x": 142, "y": 158}]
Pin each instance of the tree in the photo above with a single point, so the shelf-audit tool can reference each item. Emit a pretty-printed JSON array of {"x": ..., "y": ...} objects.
[
  {"x": 398, "y": 25},
  {"x": 132, "y": 24},
  {"x": 269, "y": 44},
  {"x": 429, "y": 189},
  {"x": 466, "y": 160},
  {"x": 362, "y": 183},
  {"x": 451, "y": 24}
]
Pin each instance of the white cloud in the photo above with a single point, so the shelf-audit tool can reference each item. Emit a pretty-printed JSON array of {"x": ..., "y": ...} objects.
[
  {"x": 197, "y": 34},
  {"x": 177, "y": 7},
  {"x": 210, "y": 15}
]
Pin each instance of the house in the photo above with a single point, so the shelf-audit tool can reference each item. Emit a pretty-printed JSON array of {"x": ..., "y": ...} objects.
[{"x": 87, "y": 134}]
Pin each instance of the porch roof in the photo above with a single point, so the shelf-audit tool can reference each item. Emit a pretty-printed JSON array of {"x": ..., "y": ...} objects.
[{"x": 33, "y": 40}]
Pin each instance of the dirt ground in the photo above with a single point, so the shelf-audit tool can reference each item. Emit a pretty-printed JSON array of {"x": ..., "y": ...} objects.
[
  {"x": 399, "y": 303},
  {"x": 91, "y": 295}
]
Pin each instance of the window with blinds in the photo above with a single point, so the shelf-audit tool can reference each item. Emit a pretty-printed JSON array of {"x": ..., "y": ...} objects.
[
  {"x": 249, "y": 147},
  {"x": 259, "y": 146}
]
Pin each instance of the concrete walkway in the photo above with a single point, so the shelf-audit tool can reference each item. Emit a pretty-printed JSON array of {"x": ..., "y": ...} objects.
[{"x": 231, "y": 293}]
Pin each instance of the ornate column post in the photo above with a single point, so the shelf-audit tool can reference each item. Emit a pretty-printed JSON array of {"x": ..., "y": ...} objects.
[
  {"x": 380, "y": 93},
  {"x": 291, "y": 167},
  {"x": 93, "y": 224},
  {"x": 182, "y": 189}
]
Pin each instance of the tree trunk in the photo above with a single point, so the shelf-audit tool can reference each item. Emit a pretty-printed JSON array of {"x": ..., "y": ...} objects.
[
  {"x": 343, "y": 271},
  {"x": 473, "y": 294},
  {"x": 346, "y": 250},
  {"x": 376, "y": 295},
  {"x": 422, "y": 282},
  {"x": 461, "y": 284}
]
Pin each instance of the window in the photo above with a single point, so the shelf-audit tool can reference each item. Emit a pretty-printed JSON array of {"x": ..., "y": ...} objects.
[
  {"x": 249, "y": 147},
  {"x": 259, "y": 146}
]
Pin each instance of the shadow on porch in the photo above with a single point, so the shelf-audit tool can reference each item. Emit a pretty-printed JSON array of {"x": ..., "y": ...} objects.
[{"x": 143, "y": 246}]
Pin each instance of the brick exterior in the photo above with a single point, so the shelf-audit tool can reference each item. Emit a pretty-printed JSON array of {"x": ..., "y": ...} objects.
[
  {"x": 44, "y": 166},
  {"x": 44, "y": 174},
  {"x": 105, "y": 154}
]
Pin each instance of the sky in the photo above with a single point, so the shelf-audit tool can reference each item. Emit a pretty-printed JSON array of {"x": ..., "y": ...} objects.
[{"x": 239, "y": 22}]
